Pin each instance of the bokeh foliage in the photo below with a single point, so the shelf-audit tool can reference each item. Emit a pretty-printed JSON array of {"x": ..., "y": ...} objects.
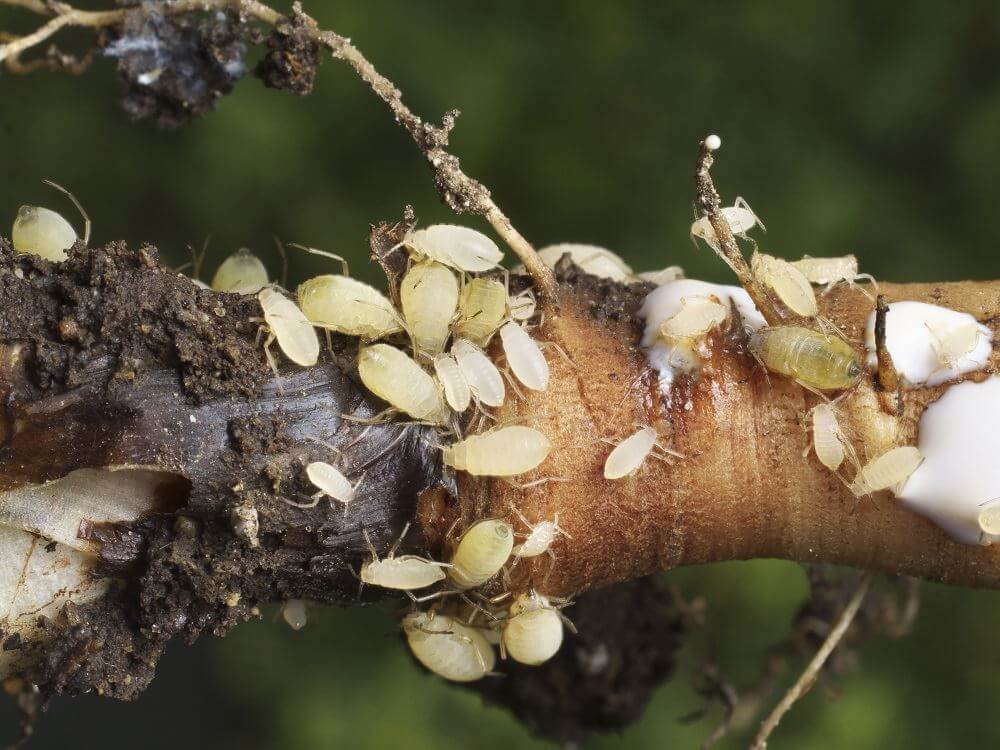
[{"x": 849, "y": 126}]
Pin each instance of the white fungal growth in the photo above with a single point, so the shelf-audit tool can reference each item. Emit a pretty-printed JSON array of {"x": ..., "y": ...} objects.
[
  {"x": 524, "y": 357},
  {"x": 697, "y": 316},
  {"x": 330, "y": 481},
  {"x": 346, "y": 305},
  {"x": 925, "y": 342},
  {"x": 456, "y": 388},
  {"x": 403, "y": 573},
  {"x": 597, "y": 261},
  {"x": 740, "y": 217},
  {"x": 481, "y": 552},
  {"x": 293, "y": 612},
  {"x": 787, "y": 282},
  {"x": 828, "y": 439},
  {"x": 482, "y": 306},
  {"x": 960, "y": 477},
  {"x": 394, "y": 377},
  {"x": 661, "y": 277},
  {"x": 481, "y": 374},
  {"x": 429, "y": 297},
  {"x": 447, "y": 647},
  {"x": 533, "y": 632},
  {"x": 503, "y": 452},
  {"x": 42, "y": 232},
  {"x": 290, "y": 327},
  {"x": 713, "y": 143},
  {"x": 630, "y": 454},
  {"x": 241, "y": 273},
  {"x": 888, "y": 470},
  {"x": 455, "y": 246}
]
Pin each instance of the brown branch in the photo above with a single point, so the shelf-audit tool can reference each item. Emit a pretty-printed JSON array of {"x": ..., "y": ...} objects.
[
  {"x": 710, "y": 205},
  {"x": 886, "y": 377},
  {"x": 460, "y": 192},
  {"x": 809, "y": 675}
]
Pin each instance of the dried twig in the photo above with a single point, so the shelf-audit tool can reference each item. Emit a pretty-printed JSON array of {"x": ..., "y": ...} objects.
[
  {"x": 810, "y": 673},
  {"x": 886, "y": 377},
  {"x": 459, "y": 191}
]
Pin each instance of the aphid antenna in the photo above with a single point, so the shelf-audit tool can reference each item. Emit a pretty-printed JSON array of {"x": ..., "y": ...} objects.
[
  {"x": 272, "y": 363},
  {"x": 560, "y": 351},
  {"x": 79, "y": 207},
  {"x": 304, "y": 506},
  {"x": 399, "y": 541},
  {"x": 533, "y": 483},
  {"x": 741, "y": 202},
  {"x": 323, "y": 253}
]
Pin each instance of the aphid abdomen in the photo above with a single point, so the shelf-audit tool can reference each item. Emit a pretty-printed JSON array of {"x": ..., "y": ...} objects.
[
  {"x": 827, "y": 438},
  {"x": 330, "y": 481},
  {"x": 429, "y": 296},
  {"x": 481, "y": 308},
  {"x": 346, "y": 305},
  {"x": 42, "y": 232},
  {"x": 448, "y": 648},
  {"x": 501, "y": 453},
  {"x": 392, "y": 376},
  {"x": 887, "y": 470},
  {"x": 481, "y": 553},
  {"x": 403, "y": 573},
  {"x": 828, "y": 270},
  {"x": 817, "y": 360},
  {"x": 482, "y": 375},
  {"x": 456, "y": 389},
  {"x": 240, "y": 273},
  {"x": 294, "y": 333},
  {"x": 629, "y": 454},
  {"x": 525, "y": 357},
  {"x": 456, "y": 246},
  {"x": 787, "y": 282},
  {"x": 534, "y": 632}
]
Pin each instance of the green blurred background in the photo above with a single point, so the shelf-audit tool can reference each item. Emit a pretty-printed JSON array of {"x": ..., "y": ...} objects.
[{"x": 862, "y": 127}]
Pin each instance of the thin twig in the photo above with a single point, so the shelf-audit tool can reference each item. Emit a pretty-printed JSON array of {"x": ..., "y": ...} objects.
[
  {"x": 459, "y": 191},
  {"x": 811, "y": 672},
  {"x": 725, "y": 246}
]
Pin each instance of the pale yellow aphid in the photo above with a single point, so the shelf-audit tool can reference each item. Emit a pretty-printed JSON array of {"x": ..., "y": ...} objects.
[
  {"x": 828, "y": 439},
  {"x": 455, "y": 246},
  {"x": 447, "y": 647},
  {"x": 293, "y": 611},
  {"x": 540, "y": 537},
  {"x": 524, "y": 357},
  {"x": 42, "y": 232},
  {"x": 481, "y": 552},
  {"x": 597, "y": 261},
  {"x": 630, "y": 454},
  {"x": 787, "y": 282},
  {"x": 663, "y": 276},
  {"x": 696, "y": 317},
  {"x": 830, "y": 271},
  {"x": 331, "y": 482},
  {"x": 814, "y": 359},
  {"x": 481, "y": 309},
  {"x": 953, "y": 343},
  {"x": 346, "y": 305},
  {"x": 887, "y": 470},
  {"x": 989, "y": 520},
  {"x": 241, "y": 273},
  {"x": 394, "y": 377},
  {"x": 403, "y": 573},
  {"x": 499, "y": 453},
  {"x": 533, "y": 632},
  {"x": 522, "y": 306},
  {"x": 456, "y": 389},
  {"x": 290, "y": 327},
  {"x": 481, "y": 374},
  {"x": 740, "y": 217},
  {"x": 429, "y": 297}
]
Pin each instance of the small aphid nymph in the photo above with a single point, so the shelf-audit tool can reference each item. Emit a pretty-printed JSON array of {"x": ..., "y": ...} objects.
[
  {"x": 630, "y": 454},
  {"x": 289, "y": 326},
  {"x": 455, "y": 246},
  {"x": 953, "y": 344},
  {"x": 503, "y": 452},
  {"x": 597, "y": 261},
  {"x": 831, "y": 271},
  {"x": 524, "y": 357},
  {"x": 481, "y": 552},
  {"x": 330, "y": 482},
  {"x": 696, "y": 317},
  {"x": 456, "y": 389},
  {"x": 533, "y": 632},
  {"x": 540, "y": 537},
  {"x": 42, "y": 232},
  {"x": 816, "y": 360},
  {"x": 481, "y": 374},
  {"x": 345, "y": 305},
  {"x": 787, "y": 283},
  {"x": 403, "y": 573},
  {"x": 429, "y": 296},
  {"x": 448, "y": 648},
  {"x": 392, "y": 376},
  {"x": 241, "y": 273},
  {"x": 293, "y": 611},
  {"x": 828, "y": 440},
  {"x": 888, "y": 470},
  {"x": 522, "y": 306},
  {"x": 663, "y": 276},
  {"x": 740, "y": 217}
]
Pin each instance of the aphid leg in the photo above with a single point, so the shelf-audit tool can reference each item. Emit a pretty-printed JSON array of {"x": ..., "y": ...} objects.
[
  {"x": 869, "y": 278},
  {"x": 272, "y": 363},
  {"x": 477, "y": 607},
  {"x": 511, "y": 382},
  {"x": 382, "y": 417},
  {"x": 313, "y": 504},
  {"x": 534, "y": 483},
  {"x": 429, "y": 597},
  {"x": 325, "y": 254},
  {"x": 666, "y": 450},
  {"x": 559, "y": 350},
  {"x": 740, "y": 202},
  {"x": 368, "y": 542},
  {"x": 329, "y": 342},
  {"x": 79, "y": 207}
]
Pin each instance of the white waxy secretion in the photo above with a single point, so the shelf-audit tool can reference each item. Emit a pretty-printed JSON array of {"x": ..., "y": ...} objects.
[
  {"x": 828, "y": 440},
  {"x": 524, "y": 357},
  {"x": 503, "y": 452},
  {"x": 597, "y": 261},
  {"x": 447, "y": 647},
  {"x": 533, "y": 631},
  {"x": 670, "y": 273},
  {"x": 740, "y": 217},
  {"x": 787, "y": 282},
  {"x": 456, "y": 246},
  {"x": 630, "y": 454},
  {"x": 456, "y": 389},
  {"x": 42, "y": 232},
  {"x": 241, "y": 273},
  {"x": 481, "y": 374},
  {"x": 915, "y": 334},
  {"x": 346, "y": 305},
  {"x": 394, "y": 377},
  {"x": 330, "y": 481},
  {"x": 960, "y": 476},
  {"x": 293, "y": 611},
  {"x": 481, "y": 552},
  {"x": 290, "y": 327},
  {"x": 429, "y": 297},
  {"x": 886, "y": 471}
]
